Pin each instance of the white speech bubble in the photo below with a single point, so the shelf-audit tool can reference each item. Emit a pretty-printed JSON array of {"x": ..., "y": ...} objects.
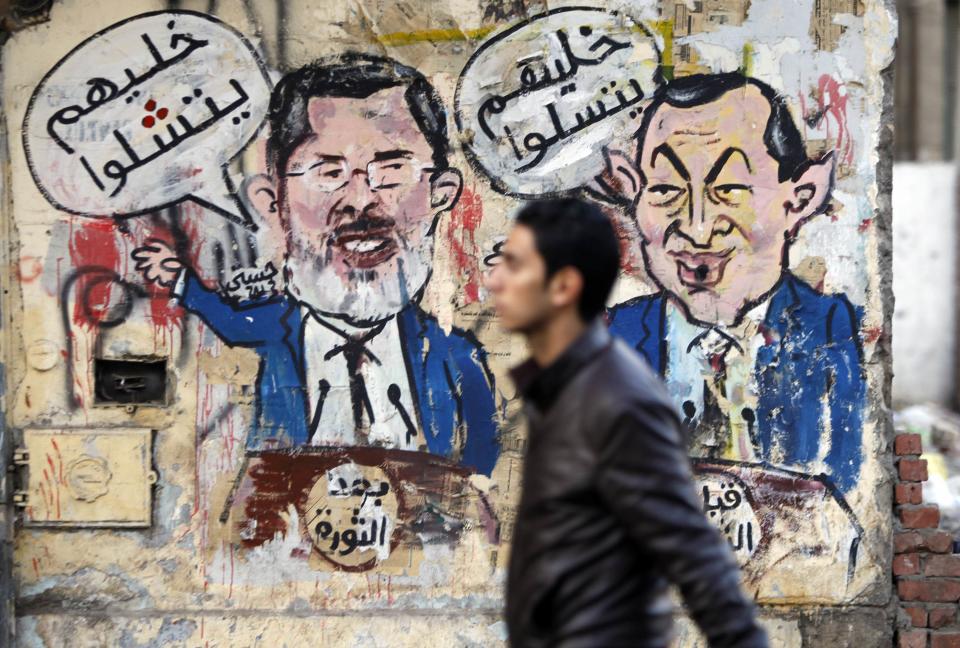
[
  {"x": 144, "y": 114},
  {"x": 537, "y": 103}
]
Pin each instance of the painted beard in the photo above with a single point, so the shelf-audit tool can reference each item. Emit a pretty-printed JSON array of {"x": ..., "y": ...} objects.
[{"x": 374, "y": 288}]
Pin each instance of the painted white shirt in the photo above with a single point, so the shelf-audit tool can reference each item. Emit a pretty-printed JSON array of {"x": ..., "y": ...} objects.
[
  {"x": 332, "y": 419},
  {"x": 689, "y": 372}
]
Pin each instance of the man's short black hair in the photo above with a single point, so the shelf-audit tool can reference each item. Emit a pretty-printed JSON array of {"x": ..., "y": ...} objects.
[
  {"x": 355, "y": 76},
  {"x": 781, "y": 136},
  {"x": 572, "y": 232}
]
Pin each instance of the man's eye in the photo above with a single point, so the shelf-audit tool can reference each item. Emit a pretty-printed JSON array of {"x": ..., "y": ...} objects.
[
  {"x": 332, "y": 173},
  {"x": 731, "y": 191},
  {"x": 660, "y": 195},
  {"x": 664, "y": 189}
]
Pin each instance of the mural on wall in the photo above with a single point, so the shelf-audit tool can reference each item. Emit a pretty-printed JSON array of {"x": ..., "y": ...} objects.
[
  {"x": 304, "y": 239},
  {"x": 764, "y": 367}
]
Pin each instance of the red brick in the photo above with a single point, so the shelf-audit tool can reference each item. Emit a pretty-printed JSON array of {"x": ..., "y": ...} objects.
[
  {"x": 913, "y": 470},
  {"x": 919, "y": 517},
  {"x": 946, "y": 565},
  {"x": 945, "y": 640},
  {"x": 918, "y": 616},
  {"x": 907, "y": 444},
  {"x": 912, "y": 639},
  {"x": 909, "y": 493},
  {"x": 906, "y": 541},
  {"x": 931, "y": 540},
  {"x": 932, "y": 590},
  {"x": 943, "y": 616},
  {"x": 906, "y": 565}
]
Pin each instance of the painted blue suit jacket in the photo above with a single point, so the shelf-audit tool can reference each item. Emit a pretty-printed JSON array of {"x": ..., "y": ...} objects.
[
  {"x": 452, "y": 386},
  {"x": 812, "y": 350}
]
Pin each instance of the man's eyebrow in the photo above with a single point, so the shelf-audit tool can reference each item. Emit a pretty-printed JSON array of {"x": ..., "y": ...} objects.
[
  {"x": 722, "y": 160},
  {"x": 392, "y": 155},
  {"x": 320, "y": 158},
  {"x": 672, "y": 157}
]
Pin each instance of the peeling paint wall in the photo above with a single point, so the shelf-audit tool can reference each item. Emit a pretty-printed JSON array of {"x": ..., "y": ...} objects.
[{"x": 261, "y": 389}]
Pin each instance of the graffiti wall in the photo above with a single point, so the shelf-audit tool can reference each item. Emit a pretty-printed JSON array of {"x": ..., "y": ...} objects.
[{"x": 256, "y": 368}]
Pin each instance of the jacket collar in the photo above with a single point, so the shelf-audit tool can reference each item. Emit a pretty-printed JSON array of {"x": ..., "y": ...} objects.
[{"x": 541, "y": 386}]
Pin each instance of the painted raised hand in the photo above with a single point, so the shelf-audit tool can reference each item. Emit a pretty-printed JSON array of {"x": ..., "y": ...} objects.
[{"x": 158, "y": 263}]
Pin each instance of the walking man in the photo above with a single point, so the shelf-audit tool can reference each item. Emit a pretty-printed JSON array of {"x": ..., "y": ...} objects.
[{"x": 608, "y": 514}]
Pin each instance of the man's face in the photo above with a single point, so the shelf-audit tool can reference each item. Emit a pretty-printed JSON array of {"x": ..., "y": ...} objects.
[
  {"x": 713, "y": 214},
  {"x": 359, "y": 206},
  {"x": 518, "y": 283}
]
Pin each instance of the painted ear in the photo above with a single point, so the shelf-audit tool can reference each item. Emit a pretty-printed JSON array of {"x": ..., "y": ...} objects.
[
  {"x": 620, "y": 181},
  {"x": 261, "y": 195},
  {"x": 445, "y": 188},
  {"x": 811, "y": 191}
]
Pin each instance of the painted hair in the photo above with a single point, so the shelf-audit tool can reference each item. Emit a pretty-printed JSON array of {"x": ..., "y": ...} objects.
[
  {"x": 781, "y": 136},
  {"x": 355, "y": 76}
]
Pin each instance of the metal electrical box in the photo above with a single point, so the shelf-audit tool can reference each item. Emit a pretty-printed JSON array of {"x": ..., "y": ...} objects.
[{"x": 86, "y": 477}]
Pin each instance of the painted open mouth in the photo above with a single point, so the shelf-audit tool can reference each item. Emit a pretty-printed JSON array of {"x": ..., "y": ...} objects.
[
  {"x": 365, "y": 244},
  {"x": 701, "y": 270}
]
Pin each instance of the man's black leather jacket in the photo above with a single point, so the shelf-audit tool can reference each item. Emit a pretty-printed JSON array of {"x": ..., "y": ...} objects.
[{"x": 609, "y": 514}]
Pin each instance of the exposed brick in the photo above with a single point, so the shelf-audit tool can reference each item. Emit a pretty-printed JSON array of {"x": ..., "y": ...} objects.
[
  {"x": 905, "y": 541},
  {"x": 918, "y": 616},
  {"x": 920, "y": 517},
  {"x": 907, "y": 444},
  {"x": 946, "y": 565},
  {"x": 912, "y": 639},
  {"x": 906, "y": 565},
  {"x": 932, "y": 540},
  {"x": 913, "y": 470},
  {"x": 945, "y": 640},
  {"x": 941, "y": 617},
  {"x": 936, "y": 541},
  {"x": 932, "y": 590},
  {"x": 909, "y": 493}
]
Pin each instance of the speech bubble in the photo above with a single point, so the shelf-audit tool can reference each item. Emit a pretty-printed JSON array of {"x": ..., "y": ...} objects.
[
  {"x": 537, "y": 103},
  {"x": 145, "y": 114}
]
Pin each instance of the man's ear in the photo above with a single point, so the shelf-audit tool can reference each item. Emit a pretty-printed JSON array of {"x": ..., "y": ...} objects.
[
  {"x": 620, "y": 182},
  {"x": 260, "y": 193},
  {"x": 810, "y": 192},
  {"x": 566, "y": 287},
  {"x": 445, "y": 188}
]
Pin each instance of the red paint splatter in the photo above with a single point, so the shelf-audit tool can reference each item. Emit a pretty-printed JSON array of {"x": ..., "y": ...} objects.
[
  {"x": 93, "y": 244},
  {"x": 464, "y": 220},
  {"x": 148, "y": 121},
  {"x": 865, "y": 225},
  {"x": 162, "y": 113},
  {"x": 151, "y": 105},
  {"x": 872, "y": 334},
  {"x": 831, "y": 111},
  {"x": 29, "y": 269}
]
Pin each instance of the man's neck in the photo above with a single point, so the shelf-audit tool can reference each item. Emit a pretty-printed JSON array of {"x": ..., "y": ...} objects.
[{"x": 547, "y": 343}]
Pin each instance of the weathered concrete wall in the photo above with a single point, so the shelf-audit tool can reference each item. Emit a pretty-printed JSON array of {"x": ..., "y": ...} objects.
[{"x": 256, "y": 374}]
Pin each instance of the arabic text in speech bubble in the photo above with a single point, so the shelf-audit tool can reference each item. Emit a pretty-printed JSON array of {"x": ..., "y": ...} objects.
[
  {"x": 539, "y": 101},
  {"x": 144, "y": 114}
]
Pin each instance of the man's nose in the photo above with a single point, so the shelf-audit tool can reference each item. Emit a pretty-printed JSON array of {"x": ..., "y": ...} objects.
[
  {"x": 701, "y": 221},
  {"x": 357, "y": 192}
]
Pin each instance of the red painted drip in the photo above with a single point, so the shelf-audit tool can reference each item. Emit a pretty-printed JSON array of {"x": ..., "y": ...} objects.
[
  {"x": 464, "y": 220},
  {"x": 163, "y": 313},
  {"x": 831, "y": 103},
  {"x": 93, "y": 244},
  {"x": 872, "y": 334},
  {"x": 864, "y": 225}
]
